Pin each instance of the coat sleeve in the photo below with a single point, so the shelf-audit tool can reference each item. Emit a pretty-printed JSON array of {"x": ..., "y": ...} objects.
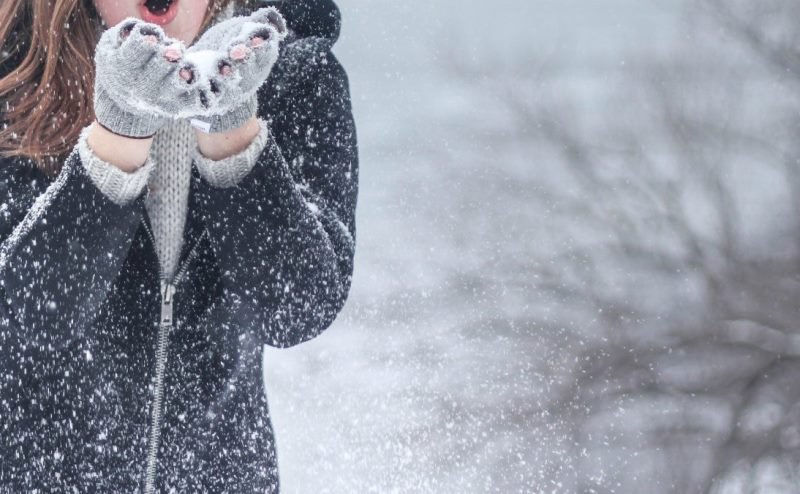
[
  {"x": 63, "y": 243},
  {"x": 284, "y": 235}
]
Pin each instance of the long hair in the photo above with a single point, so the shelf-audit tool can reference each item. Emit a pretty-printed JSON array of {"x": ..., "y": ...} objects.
[{"x": 47, "y": 94}]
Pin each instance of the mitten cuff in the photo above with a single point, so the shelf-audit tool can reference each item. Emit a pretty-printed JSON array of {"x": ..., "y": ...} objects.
[
  {"x": 229, "y": 171},
  {"x": 122, "y": 122},
  {"x": 119, "y": 186},
  {"x": 233, "y": 119}
]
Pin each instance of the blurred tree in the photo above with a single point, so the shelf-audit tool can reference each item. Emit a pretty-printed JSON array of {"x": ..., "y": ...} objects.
[{"x": 677, "y": 208}]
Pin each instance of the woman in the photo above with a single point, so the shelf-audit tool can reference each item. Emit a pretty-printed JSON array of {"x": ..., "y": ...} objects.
[{"x": 149, "y": 251}]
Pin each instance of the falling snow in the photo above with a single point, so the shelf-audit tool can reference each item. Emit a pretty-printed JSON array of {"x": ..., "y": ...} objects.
[{"x": 575, "y": 269}]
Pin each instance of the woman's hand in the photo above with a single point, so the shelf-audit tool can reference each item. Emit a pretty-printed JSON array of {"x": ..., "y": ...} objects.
[
  {"x": 142, "y": 80},
  {"x": 232, "y": 60}
]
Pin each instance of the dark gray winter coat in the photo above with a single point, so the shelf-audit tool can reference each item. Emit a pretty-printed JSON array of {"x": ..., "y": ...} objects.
[{"x": 266, "y": 262}]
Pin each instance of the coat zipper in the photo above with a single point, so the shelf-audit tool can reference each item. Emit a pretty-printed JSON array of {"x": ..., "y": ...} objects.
[{"x": 168, "y": 289}]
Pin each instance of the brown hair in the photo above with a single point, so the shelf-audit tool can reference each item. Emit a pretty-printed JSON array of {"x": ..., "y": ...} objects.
[{"x": 47, "y": 95}]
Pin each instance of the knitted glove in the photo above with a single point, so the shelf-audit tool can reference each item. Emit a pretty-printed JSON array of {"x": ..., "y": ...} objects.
[
  {"x": 232, "y": 60},
  {"x": 141, "y": 82}
]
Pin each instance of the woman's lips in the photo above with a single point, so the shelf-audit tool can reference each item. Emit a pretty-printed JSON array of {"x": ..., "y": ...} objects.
[{"x": 160, "y": 19}]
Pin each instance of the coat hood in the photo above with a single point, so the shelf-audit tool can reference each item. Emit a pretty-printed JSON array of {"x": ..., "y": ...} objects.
[{"x": 309, "y": 18}]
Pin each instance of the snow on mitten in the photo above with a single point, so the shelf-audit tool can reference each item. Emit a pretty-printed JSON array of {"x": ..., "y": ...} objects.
[
  {"x": 233, "y": 59},
  {"x": 141, "y": 82}
]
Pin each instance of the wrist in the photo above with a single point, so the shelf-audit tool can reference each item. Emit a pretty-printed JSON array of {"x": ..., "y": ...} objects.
[
  {"x": 221, "y": 145},
  {"x": 126, "y": 153}
]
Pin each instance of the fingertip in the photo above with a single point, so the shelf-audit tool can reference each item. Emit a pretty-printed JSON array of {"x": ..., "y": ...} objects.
[
  {"x": 224, "y": 67},
  {"x": 239, "y": 52},
  {"x": 272, "y": 17},
  {"x": 151, "y": 31},
  {"x": 173, "y": 53},
  {"x": 126, "y": 28},
  {"x": 187, "y": 74}
]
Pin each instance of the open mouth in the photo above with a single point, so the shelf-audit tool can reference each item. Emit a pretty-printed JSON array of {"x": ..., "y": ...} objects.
[{"x": 159, "y": 12}]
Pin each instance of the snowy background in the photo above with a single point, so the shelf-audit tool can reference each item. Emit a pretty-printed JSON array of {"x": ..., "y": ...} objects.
[{"x": 577, "y": 264}]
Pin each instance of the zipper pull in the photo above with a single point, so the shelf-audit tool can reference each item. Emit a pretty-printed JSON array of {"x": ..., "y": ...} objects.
[{"x": 167, "y": 291}]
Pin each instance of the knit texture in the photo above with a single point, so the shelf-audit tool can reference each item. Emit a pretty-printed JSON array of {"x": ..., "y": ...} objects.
[
  {"x": 120, "y": 186},
  {"x": 230, "y": 171},
  {"x": 233, "y": 96},
  {"x": 169, "y": 191},
  {"x": 167, "y": 174},
  {"x": 137, "y": 90}
]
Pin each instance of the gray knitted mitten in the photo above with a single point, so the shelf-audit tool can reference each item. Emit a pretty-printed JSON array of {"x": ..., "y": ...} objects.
[
  {"x": 138, "y": 85},
  {"x": 232, "y": 59}
]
